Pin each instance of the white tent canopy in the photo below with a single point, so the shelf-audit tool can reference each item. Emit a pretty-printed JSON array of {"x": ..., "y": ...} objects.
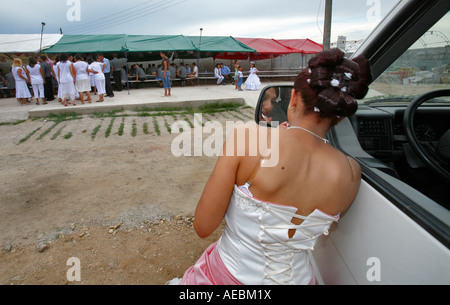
[{"x": 26, "y": 43}]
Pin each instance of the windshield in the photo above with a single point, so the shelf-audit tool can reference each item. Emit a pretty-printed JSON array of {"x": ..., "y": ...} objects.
[{"x": 424, "y": 67}]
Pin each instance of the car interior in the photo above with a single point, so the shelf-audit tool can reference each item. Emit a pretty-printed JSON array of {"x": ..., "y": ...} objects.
[{"x": 405, "y": 122}]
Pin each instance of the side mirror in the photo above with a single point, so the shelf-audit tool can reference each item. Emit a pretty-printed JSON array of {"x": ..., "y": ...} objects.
[{"x": 273, "y": 104}]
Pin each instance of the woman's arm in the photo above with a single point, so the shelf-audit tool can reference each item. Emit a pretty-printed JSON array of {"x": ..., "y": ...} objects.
[
  {"x": 74, "y": 73},
  {"x": 19, "y": 72},
  {"x": 216, "y": 196}
]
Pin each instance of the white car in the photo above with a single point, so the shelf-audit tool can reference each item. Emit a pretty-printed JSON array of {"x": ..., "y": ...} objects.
[{"x": 397, "y": 229}]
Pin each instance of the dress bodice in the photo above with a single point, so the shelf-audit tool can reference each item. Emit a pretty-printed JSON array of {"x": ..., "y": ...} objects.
[{"x": 256, "y": 247}]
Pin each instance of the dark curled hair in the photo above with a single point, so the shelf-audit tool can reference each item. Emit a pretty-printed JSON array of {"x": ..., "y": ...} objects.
[{"x": 332, "y": 83}]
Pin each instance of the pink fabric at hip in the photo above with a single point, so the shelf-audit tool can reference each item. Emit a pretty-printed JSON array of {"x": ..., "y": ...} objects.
[{"x": 209, "y": 270}]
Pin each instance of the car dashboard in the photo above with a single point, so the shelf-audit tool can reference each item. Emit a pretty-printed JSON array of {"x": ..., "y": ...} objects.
[{"x": 380, "y": 131}]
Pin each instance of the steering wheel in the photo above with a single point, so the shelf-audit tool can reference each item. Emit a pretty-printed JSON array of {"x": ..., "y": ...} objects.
[{"x": 434, "y": 160}]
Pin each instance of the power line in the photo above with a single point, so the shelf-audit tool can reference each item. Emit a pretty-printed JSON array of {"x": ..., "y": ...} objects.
[
  {"x": 133, "y": 16},
  {"x": 88, "y": 24}
]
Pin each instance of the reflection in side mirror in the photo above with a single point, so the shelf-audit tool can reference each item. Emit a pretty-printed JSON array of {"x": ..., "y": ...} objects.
[{"x": 273, "y": 104}]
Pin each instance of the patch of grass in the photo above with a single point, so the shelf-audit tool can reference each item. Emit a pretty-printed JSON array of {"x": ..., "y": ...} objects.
[
  {"x": 217, "y": 107},
  {"x": 145, "y": 128},
  {"x": 169, "y": 129},
  {"x": 94, "y": 132},
  {"x": 108, "y": 130},
  {"x": 57, "y": 133},
  {"x": 187, "y": 120},
  {"x": 111, "y": 113},
  {"x": 160, "y": 109},
  {"x": 68, "y": 135},
  {"x": 206, "y": 108},
  {"x": 156, "y": 126},
  {"x": 144, "y": 114},
  {"x": 42, "y": 135},
  {"x": 64, "y": 116},
  {"x": 121, "y": 127},
  {"x": 29, "y": 135},
  {"x": 12, "y": 123},
  {"x": 134, "y": 129}
]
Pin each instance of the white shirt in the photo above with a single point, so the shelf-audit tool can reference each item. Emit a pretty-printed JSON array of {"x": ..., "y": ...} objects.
[
  {"x": 55, "y": 70},
  {"x": 195, "y": 71},
  {"x": 80, "y": 68},
  {"x": 35, "y": 74},
  {"x": 64, "y": 72},
  {"x": 97, "y": 67},
  {"x": 15, "y": 73}
]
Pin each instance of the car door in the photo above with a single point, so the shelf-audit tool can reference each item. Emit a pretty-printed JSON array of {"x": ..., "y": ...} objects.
[
  {"x": 381, "y": 239},
  {"x": 392, "y": 234}
]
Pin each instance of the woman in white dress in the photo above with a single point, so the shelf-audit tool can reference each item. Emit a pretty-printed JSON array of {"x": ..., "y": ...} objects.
[
  {"x": 66, "y": 73},
  {"x": 36, "y": 76},
  {"x": 253, "y": 82},
  {"x": 82, "y": 82},
  {"x": 97, "y": 68},
  {"x": 278, "y": 201},
  {"x": 56, "y": 76},
  {"x": 21, "y": 80}
]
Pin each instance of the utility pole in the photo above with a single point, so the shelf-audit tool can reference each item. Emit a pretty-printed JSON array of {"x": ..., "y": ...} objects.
[
  {"x": 327, "y": 25},
  {"x": 42, "y": 34},
  {"x": 198, "y": 57}
]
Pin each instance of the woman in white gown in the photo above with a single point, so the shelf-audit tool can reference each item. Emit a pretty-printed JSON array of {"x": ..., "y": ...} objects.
[
  {"x": 21, "y": 80},
  {"x": 253, "y": 82},
  {"x": 97, "y": 67},
  {"x": 66, "y": 73},
  {"x": 274, "y": 213}
]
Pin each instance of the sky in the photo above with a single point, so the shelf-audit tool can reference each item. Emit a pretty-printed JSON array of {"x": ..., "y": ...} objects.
[{"x": 278, "y": 19}]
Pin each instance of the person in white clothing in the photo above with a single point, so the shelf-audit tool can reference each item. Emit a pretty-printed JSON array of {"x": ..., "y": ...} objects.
[
  {"x": 20, "y": 77},
  {"x": 218, "y": 74},
  {"x": 66, "y": 73},
  {"x": 36, "y": 76},
  {"x": 97, "y": 67},
  {"x": 194, "y": 74},
  {"x": 82, "y": 82},
  {"x": 56, "y": 76},
  {"x": 278, "y": 201},
  {"x": 253, "y": 82}
]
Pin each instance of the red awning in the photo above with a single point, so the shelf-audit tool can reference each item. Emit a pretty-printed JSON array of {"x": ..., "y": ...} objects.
[
  {"x": 267, "y": 46},
  {"x": 305, "y": 46},
  {"x": 271, "y": 48}
]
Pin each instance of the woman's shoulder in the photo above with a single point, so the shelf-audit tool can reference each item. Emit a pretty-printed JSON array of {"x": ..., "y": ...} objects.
[
  {"x": 339, "y": 160},
  {"x": 246, "y": 137},
  {"x": 343, "y": 172}
]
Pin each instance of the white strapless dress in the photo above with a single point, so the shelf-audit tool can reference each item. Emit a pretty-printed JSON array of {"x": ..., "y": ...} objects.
[{"x": 255, "y": 248}]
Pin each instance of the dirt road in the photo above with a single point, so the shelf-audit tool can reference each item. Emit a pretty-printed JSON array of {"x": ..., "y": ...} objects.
[{"x": 105, "y": 189}]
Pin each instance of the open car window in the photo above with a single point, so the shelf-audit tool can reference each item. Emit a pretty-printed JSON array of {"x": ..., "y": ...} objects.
[{"x": 424, "y": 67}]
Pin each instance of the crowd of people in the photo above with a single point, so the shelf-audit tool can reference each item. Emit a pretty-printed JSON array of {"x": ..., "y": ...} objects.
[
  {"x": 73, "y": 78},
  {"x": 222, "y": 73}
]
